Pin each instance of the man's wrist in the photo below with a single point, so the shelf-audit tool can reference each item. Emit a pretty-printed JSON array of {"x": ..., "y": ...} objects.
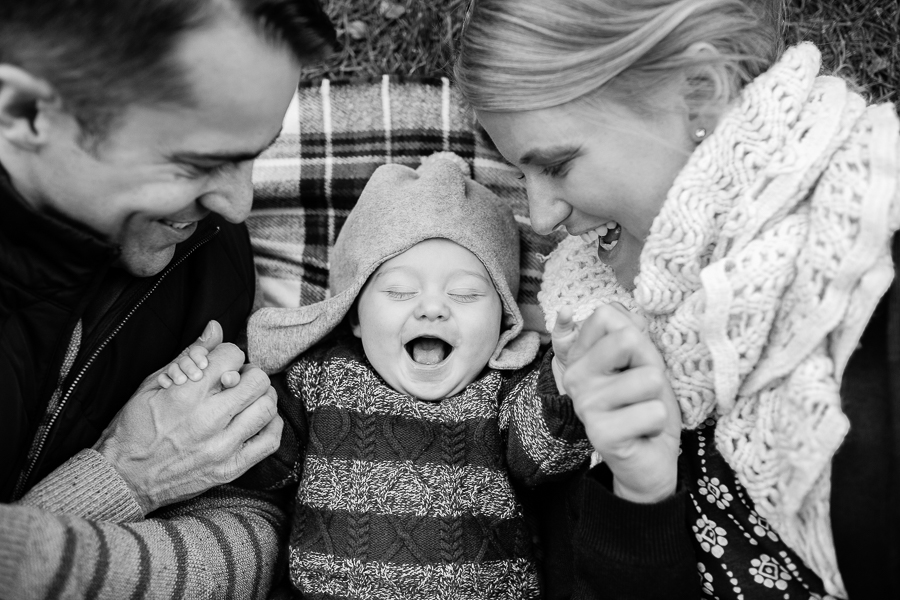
[{"x": 107, "y": 449}]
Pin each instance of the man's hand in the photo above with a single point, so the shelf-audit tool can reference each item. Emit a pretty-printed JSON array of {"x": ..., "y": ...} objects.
[
  {"x": 617, "y": 381},
  {"x": 172, "y": 444}
]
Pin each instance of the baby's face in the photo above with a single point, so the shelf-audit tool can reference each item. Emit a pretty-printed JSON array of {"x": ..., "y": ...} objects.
[{"x": 429, "y": 319}]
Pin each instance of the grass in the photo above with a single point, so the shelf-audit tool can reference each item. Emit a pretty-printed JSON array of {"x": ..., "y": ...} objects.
[{"x": 859, "y": 39}]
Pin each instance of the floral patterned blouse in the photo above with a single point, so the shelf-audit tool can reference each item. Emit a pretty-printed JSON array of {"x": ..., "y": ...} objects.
[{"x": 739, "y": 555}]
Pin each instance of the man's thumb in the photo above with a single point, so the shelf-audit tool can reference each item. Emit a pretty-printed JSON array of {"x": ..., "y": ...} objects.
[{"x": 211, "y": 337}]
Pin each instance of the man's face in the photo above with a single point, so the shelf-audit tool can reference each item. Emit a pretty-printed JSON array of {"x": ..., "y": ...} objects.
[
  {"x": 164, "y": 168},
  {"x": 429, "y": 319}
]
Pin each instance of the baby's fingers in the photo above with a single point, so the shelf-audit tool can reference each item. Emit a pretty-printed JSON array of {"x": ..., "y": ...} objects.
[
  {"x": 164, "y": 381},
  {"x": 185, "y": 367},
  {"x": 564, "y": 333},
  {"x": 198, "y": 355}
]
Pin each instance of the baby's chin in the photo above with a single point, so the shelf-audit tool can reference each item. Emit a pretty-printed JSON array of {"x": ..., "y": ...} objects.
[{"x": 436, "y": 393}]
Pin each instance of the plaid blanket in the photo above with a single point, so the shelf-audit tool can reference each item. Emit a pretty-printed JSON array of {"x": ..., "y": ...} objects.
[{"x": 335, "y": 135}]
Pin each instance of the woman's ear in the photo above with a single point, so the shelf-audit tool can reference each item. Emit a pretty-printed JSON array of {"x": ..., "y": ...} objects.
[
  {"x": 24, "y": 99},
  {"x": 709, "y": 89}
]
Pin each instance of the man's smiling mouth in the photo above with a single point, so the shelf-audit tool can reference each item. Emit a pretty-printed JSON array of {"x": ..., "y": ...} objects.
[
  {"x": 427, "y": 350},
  {"x": 177, "y": 224}
]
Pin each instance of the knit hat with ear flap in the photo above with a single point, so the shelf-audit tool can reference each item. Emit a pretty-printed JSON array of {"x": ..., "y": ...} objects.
[{"x": 399, "y": 208}]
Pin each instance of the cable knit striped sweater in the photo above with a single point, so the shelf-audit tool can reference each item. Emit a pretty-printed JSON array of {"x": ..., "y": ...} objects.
[{"x": 402, "y": 498}]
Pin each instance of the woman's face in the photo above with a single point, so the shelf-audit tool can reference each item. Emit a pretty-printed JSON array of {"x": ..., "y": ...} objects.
[{"x": 601, "y": 171}]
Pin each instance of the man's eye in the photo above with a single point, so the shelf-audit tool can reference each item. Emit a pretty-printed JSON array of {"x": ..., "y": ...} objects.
[{"x": 207, "y": 170}]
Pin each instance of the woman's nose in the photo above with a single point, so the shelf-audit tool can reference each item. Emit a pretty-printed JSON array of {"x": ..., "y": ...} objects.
[
  {"x": 545, "y": 209},
  {"x": 432, "y": 307}
]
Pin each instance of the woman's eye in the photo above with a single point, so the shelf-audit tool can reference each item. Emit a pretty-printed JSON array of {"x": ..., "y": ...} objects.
[
  {"x": 520, "y": 176},
  {"x": 555, "y": 170}
]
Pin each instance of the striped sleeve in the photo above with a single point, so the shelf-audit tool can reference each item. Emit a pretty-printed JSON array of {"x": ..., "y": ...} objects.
[
  {"x": 223, "y": 544},
  {"x": 545, "y": 439}
]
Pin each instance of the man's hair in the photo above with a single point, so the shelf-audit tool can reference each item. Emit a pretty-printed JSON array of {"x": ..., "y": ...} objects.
[{"x": 103, "y": 56}]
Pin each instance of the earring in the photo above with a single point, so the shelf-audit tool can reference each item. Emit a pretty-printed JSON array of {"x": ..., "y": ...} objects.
[{"x": 699, "y": 134}]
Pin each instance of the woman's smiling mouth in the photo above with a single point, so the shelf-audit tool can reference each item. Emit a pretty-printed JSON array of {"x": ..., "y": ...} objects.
[{"x": 607, "y": 235}]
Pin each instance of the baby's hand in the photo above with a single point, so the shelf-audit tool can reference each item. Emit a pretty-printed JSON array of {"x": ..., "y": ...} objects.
[
  {"x": 190, "y": 366},
  {"x": 563, "y": 338}
]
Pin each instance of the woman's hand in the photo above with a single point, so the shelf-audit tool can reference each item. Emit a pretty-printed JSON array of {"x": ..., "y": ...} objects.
[{"x": 617, "y": 381}]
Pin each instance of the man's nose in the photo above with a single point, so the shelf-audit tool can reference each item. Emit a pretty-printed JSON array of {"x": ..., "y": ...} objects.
[
  {"x": 545, "y": 209},
  {"x": 432, "y": 307},
  {"x": 231, "y": 193}
]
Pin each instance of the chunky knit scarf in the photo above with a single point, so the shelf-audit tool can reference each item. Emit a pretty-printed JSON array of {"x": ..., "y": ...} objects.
[{"x": 759, "y": 274}]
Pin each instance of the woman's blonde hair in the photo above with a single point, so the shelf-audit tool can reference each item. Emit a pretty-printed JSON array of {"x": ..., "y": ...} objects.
[{"x": 532, "y": 54}]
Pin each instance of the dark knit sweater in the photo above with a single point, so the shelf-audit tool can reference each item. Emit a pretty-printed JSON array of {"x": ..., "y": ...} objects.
[{"x": 404, "y": 498}]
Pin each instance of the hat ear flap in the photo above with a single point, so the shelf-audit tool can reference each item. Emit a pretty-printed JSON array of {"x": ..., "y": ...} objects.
[{"x": 518, "y": 352}]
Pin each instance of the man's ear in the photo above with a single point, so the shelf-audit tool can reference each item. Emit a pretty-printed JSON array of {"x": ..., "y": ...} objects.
[{"x": 23, "y": 98}]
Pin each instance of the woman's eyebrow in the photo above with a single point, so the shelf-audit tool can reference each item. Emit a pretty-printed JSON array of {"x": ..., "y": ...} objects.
[{"x": 548, "y": 154}]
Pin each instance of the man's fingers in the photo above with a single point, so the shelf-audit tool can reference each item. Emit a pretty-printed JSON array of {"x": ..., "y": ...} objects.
[
  {"x": 262, "y": 444},
  {"x": 224, "y": 357},
  {"x": 252, "y": 385},
  {"x": 230, "y": 379},
  {"x": 211, "y": 337},
  {"x": 254, "y": 418}
]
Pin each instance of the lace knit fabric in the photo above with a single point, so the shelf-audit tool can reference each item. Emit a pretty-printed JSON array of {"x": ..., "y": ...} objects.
[{"x": 758, "y": 277}]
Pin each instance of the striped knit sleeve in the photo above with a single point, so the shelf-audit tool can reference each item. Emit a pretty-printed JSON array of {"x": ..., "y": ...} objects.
[
  {"x": 545, "y": 439},
  {"x": 223, "y": 544}
]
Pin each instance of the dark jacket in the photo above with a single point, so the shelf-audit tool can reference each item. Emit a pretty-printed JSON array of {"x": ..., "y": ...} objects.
[
  {"x": 51, "y": 272},
  {"x": 598, "y": 546}
]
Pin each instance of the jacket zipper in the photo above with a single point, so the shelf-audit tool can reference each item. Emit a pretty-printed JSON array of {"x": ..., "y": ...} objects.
[{"x": 23, "y": 480}]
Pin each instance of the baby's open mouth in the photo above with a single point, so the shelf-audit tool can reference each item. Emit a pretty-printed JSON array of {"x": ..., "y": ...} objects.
[{"x": 428, "y": 350}]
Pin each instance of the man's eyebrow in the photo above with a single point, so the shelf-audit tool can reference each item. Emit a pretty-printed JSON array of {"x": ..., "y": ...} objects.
[
  {"x": 225, "y": 157},
  {"x": 549, "y": 154}
]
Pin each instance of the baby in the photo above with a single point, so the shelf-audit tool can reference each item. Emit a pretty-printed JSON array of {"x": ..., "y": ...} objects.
[{"x": 413, "y": 400}]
